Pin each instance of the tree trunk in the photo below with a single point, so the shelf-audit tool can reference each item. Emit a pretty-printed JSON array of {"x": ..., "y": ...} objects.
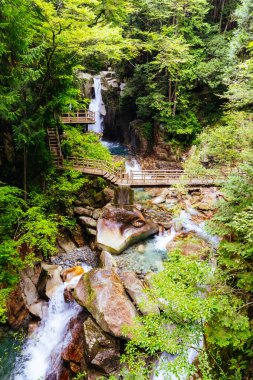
[
  {"x": 170, "y": 92},
  {"x": 25, "y": 173},
  {"x": 174, "y": 110},
  {"x": 221, "y": 13}
]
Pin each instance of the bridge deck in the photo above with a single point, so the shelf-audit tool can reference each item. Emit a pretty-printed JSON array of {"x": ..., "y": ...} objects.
[{"x": 143, "y": 178}]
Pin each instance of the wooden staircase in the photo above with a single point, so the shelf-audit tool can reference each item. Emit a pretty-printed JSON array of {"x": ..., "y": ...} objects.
[{"x": 55, "y": 146}]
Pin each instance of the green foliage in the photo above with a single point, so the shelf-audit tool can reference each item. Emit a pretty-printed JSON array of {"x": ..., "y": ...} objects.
[
  {"x": 194, "y": 301},
  {"x": 61, "y": 190},
  {"x": 85, "y": 145},
  {"x": 227, "y": 144},
  {"x": 28, "y": 230}
]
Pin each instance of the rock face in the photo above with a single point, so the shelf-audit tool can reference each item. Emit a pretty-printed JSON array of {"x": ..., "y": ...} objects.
[
  {"x": 101, "y": 349},
  {"x": 17, "y": 312},
  {"x": 24, "y": 295},
  {"x": 38, "y": 309},
  {"x": 138, "y": 141},
  {"x": 102, "y": 293},
  {"x": 73, "y": 352},
  {"x": 118, "y": 228},
  {"x": 136, "y": 291}
]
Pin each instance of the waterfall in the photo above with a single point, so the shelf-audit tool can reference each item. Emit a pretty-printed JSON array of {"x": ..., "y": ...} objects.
[
  {"x": 97, "y": 106},
  {"x": 34, "y": 363}
]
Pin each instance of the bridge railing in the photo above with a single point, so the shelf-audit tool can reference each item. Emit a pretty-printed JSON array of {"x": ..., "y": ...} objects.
[
  {"x": 169, "y": 176},
  {"x": 94, "y": 165},
  {"x": 79, "y": 117},
  {"x": 148, "y": 177}
]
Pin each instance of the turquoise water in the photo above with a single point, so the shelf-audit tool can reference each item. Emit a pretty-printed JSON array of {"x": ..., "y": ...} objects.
[
  {"x": 116, "y": 149},
  {"x": 10, "y": 345}
]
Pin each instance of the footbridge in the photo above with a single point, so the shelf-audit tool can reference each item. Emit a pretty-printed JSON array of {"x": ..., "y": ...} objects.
[
  {"x": 119, "y": 177},
  {"x": 140, "y": 178}
]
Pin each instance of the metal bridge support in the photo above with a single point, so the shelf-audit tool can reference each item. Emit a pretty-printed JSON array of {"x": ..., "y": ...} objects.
[{"x": 124, "y": 197}]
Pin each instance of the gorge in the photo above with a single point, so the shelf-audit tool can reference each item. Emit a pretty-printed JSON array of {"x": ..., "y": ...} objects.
[
  {"x": 43, "y": 355},
  {"x": 126, "y": 196}
]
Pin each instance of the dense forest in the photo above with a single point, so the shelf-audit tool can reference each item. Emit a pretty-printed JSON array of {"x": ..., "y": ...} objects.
[{"x": 187, "y": 66}]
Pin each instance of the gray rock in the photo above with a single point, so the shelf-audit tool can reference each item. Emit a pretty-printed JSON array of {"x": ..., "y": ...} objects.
[
  {"x": 38, "y": 309},
  {"x": 96, "y": 213},
  {"x": 101, "y": 350},
  {"x": 102, "y": 293},
  {"x": 50, "y": 280},
  {"x": 136, "y": 290},
  {"x": 83, "y": 211},
  {"x": 107, "y": 261},
  {"x": 66, "y": 243},
  {"x": 91, "y": 231},
  {"x": 87, "y": 221}
]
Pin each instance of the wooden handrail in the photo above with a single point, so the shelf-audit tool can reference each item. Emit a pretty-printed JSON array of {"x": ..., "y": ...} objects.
[
  {"x": 78, "y": 117},
  {"x": 140, "y": 177}
]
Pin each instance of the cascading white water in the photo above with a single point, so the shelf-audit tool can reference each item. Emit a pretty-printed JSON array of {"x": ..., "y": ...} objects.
[
  {"x": 34, "y": 362},
  {"x": 97, "y": 106},
  {"x": 132, "y": 164},
  {"x": 163, "y": 239},
  {"x": 188, "y": 225}
]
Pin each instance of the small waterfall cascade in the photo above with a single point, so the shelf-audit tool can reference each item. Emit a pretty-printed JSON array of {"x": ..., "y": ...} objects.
[
  {"x": 132, "y": 164},
  {"x": 46, "y": 343},
  {"x": 163, "y": 239},
  {"x": 97, "y": 106},
  {"x": 199, "y": 229}
]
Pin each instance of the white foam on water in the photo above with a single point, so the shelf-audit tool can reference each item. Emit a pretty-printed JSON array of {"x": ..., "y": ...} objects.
[
  {"x": 35, "y": 359},
  {"x": 132, "y": 165},
  {"x": 163, "y": 239},
  {"x": 188, "y": 225},
  {"x": 97, "y": 105}
]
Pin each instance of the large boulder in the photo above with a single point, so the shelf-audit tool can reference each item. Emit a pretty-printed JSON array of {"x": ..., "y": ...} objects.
[
  {"x": 38, "y": 309},
  {"x": 29, "y": 290},
  {"x": 50, "y": 280},
  {"x": 136, "y": 291},
  {"x": 24, "y": 295},
  {"x": 102, "y": 293},
  {"x": 119, "y": 228},
  {"x": 101, "y": 350}
]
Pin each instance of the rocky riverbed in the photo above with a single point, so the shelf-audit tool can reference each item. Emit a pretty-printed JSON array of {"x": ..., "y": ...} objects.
[{"x": 91, "y": 294}]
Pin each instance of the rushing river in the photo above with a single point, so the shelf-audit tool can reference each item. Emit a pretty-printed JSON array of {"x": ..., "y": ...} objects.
[{"x": 42, "y": 350}]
